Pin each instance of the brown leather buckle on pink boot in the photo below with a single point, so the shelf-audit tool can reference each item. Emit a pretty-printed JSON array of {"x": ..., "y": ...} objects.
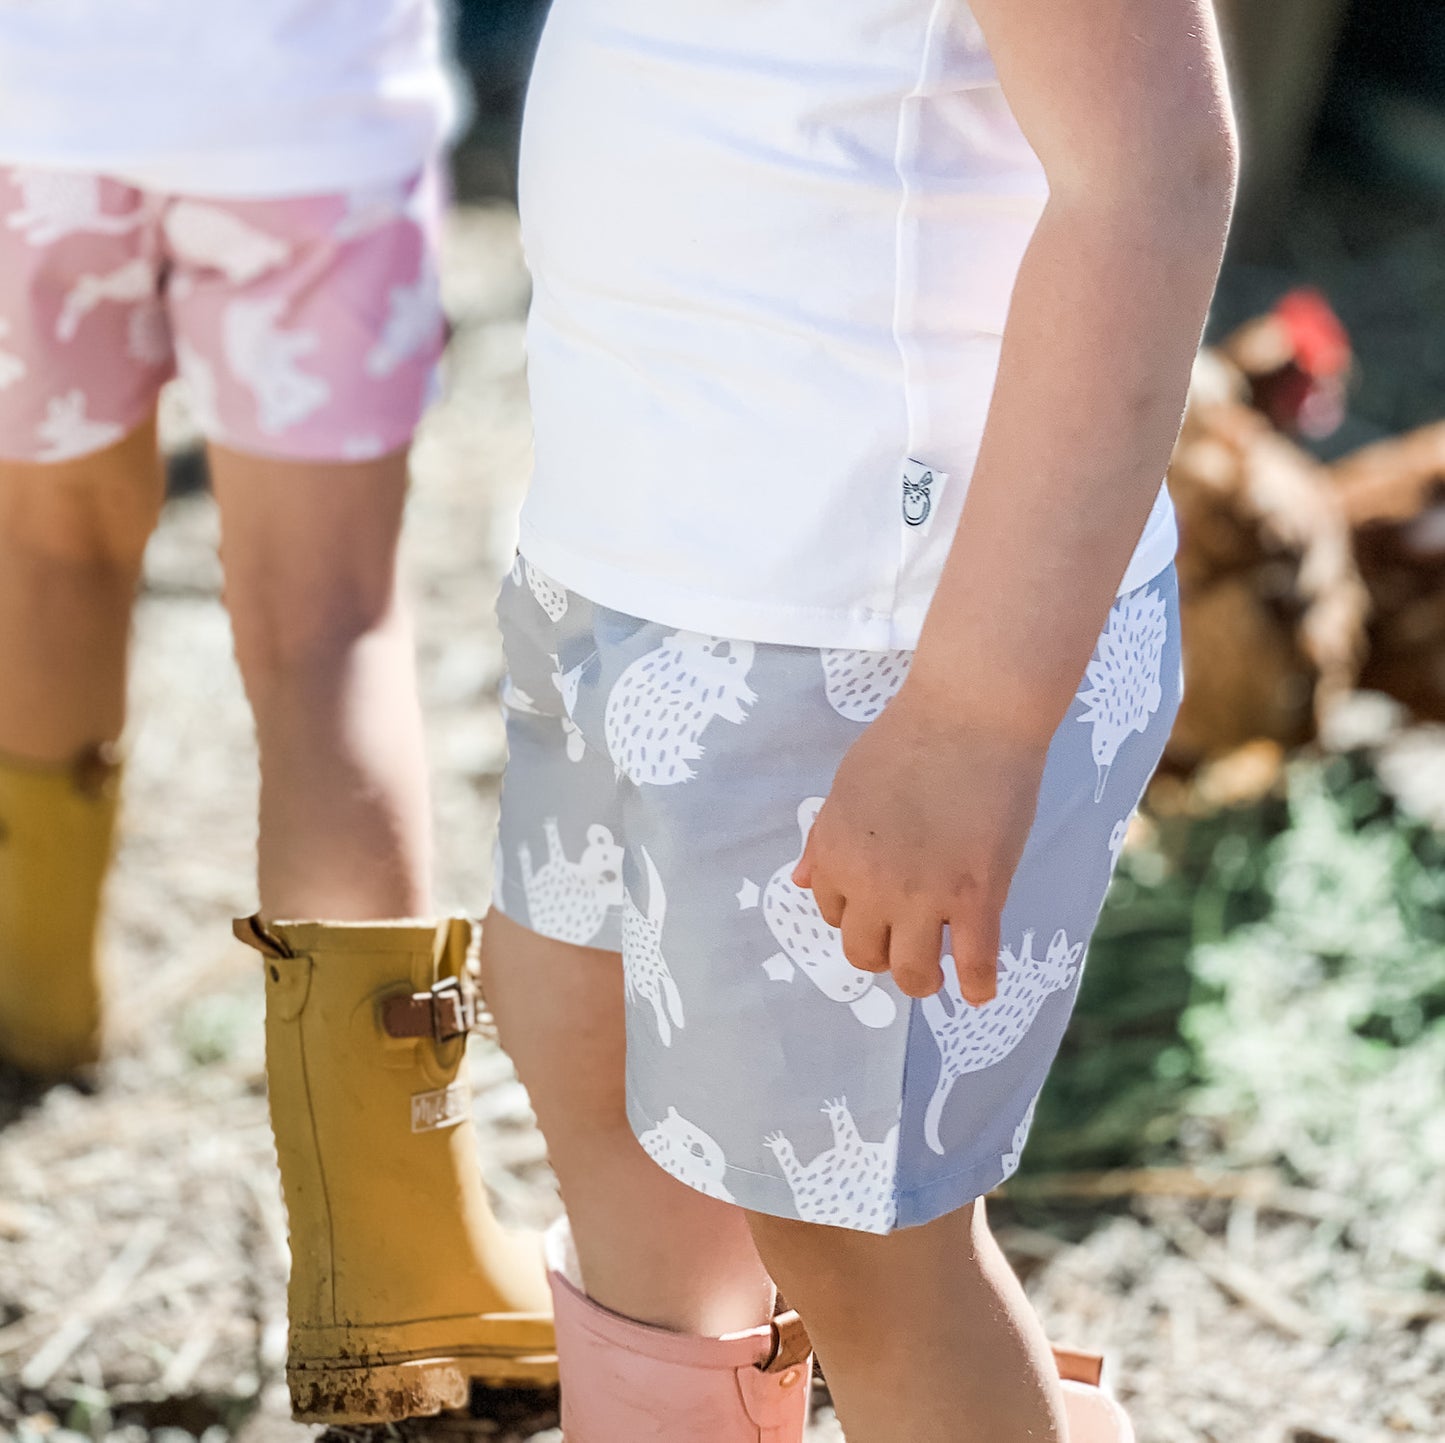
[
  {"x": 1094, "y": 1415},
  {"x": 626, "y": 1382}
]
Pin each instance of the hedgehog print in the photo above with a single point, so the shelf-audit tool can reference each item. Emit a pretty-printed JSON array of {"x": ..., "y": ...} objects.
[
  {"x": 663, "y": 702},
  {"x": 972, "y": 1038},
  {"x": 549, "y": 596},
  {"x": 1121, "y": 685},
  {"x": 859, "y": 684},
  {"x": 809, "y": 944},
  {"x": 688, "y": 1153},
  {"x": 569, "y": 901},
  {"x": 645, "y": 972},
  {"x": 851, "y": 1183}
]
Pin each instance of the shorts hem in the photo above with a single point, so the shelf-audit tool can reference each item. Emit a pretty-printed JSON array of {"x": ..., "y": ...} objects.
[
  {"x": 314, "y": 454},
  {"x": 128, "y": 428},
  {"x": 914, "y": 1207}
]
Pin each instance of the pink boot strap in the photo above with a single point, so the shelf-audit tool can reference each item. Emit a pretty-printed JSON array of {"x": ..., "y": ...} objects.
[{"x": 628, "y": 1382}]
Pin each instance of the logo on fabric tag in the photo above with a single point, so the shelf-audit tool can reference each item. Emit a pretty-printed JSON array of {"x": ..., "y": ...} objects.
[
  {"x": 922, "y": 487},
  {"x": 444, "y": 1108}
]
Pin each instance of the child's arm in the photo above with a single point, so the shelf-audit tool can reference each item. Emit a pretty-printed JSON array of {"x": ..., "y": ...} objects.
[{"x": 1124, "y": 102}]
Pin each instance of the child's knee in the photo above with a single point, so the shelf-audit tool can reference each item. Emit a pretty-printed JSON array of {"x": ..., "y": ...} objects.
[
  {"x": 291, "y": 621},
  {"x": 94, "y": 514}
]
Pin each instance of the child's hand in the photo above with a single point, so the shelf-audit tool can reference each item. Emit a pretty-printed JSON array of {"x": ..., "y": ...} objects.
[{"x": 924, "y": 827}]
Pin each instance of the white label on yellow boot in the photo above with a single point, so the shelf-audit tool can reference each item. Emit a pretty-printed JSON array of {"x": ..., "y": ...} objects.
[{"x": 443, "y": 1108}]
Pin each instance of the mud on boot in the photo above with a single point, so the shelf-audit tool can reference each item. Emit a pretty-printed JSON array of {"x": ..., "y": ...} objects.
[{"x": 404, "y": 1289}]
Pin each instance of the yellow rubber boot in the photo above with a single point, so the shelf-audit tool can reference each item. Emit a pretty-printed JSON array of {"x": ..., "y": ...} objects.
[
  {"x": 57, "y": 822},
  {"x": 404, "y": 1288}
]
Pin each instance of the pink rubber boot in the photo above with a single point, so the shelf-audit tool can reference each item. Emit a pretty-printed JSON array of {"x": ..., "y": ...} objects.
[
  {"x": 1093, "y": 1415},
  {"x": 626, "y": 1382}
]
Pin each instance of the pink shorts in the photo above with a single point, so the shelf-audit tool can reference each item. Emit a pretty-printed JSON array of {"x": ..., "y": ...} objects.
[{"x": 307, "y": 328}]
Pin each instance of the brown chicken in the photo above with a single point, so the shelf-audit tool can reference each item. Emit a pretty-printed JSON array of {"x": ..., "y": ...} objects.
[
  {"x": 1273, "y": 603},
  {"x": 1393, "y": 497}
]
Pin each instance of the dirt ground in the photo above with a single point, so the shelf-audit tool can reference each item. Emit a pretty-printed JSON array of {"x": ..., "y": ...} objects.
[{"x": 142, "y": 1242}]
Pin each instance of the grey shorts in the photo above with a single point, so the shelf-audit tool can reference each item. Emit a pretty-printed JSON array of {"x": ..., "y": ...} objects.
[{"x": 658, "y": 792}]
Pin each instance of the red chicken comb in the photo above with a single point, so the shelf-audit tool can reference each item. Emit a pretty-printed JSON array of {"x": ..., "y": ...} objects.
[{"x": 1318, "y": 338}]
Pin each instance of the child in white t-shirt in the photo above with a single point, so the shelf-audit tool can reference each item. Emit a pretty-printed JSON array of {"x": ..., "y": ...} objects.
[
  {"x": 247, "y": 192},
  {"x": 841, "y": 646}
]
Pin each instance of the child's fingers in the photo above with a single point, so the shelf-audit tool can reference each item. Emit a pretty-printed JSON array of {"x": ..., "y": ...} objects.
[
  {"x": 914, "y": 949},
  {"x": 975, "y": 957},
  {"x": 865, "y": 940},
  {"x": 830, "y": 901},
  {"x": 803, "y": 872}
]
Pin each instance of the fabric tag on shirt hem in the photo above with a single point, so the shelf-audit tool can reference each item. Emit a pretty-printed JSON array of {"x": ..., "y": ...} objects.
[{"x": 922, "y": 491}]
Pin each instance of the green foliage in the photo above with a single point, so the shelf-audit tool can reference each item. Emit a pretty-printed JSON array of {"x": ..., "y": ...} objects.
[
  {"x": 1320, "y": 1030},
  {"x": 1119, "y": 1089},
  {"x": 1267, "y": 987}
]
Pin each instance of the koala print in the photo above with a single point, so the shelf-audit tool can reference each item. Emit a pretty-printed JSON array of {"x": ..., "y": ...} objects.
[
  {"x": 851, "y": 1184},
  {"x": 972, "y": 1038},
  {"x": 661, "y": 705},
  {"x": 688, "y": 1153},
  {"x": 809, "y": 942},
  {"x": 1122, "y": 688},
  {"x": 859, "y": 684},
  {"x": 646, "y": 974},
  {"x": 570, "y": 900}
]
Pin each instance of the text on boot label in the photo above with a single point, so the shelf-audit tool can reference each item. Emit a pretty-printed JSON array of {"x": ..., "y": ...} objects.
[{"x": 444, "y": 1108}]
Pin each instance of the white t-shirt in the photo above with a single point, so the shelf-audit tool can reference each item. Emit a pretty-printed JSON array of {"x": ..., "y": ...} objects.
[
  {"x": 232, "y": 98},
  {"x": 773, "y": 244}
]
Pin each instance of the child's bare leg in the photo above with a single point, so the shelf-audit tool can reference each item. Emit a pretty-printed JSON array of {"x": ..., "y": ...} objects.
[
  {"x": 72, "y": 535},
  {"x": 325, "y": 648},
  {"x": 649, "y": 1247},
  {"x": 924, "y": 1334}
]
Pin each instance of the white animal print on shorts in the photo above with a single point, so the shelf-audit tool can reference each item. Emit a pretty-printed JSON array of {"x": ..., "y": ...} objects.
[
  {"x": 305, "y": 329},
  {"x": 661, "y": 705},
  {"x": 570, "y": 900},
  {"x": 688, "y": 1153},
  {"x": 644, "y": 969},
  {"x": 816, "y": 948},
  {"x": 668, "y": 781},
  {"x": 848, "y": 1185},
  {"x": 1123, "y": 689}
]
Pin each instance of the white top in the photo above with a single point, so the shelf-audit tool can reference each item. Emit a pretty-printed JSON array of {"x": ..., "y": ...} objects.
[
  {"x": 773, "y": 243},
  {"x": 229, "y": 98}
]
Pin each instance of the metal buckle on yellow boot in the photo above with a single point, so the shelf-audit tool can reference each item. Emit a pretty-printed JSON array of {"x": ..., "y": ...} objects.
[
  {"x": 448, "y": 1009},
  {"x": 404, "y": 1289}
]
